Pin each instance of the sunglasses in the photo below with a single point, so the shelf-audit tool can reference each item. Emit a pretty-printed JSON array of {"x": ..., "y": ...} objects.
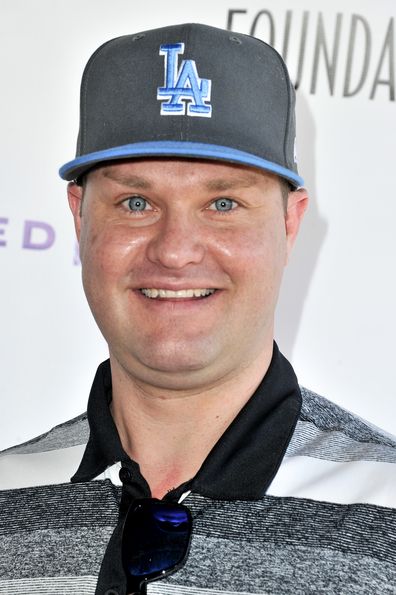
[{"x": 155, "y": 541}]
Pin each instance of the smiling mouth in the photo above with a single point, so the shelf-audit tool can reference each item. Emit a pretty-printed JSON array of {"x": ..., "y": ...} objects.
[{"x": 179, "y": 294}]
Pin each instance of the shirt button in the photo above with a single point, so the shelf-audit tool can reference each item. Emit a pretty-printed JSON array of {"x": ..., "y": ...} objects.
[{"x": 125, "y": 475}]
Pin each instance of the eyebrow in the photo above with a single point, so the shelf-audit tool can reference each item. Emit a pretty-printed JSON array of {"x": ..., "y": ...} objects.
[
  {"x": 221, "y": 184},
  {"x": 127, "y": 180},
  {"x": 216, "y": 185}
]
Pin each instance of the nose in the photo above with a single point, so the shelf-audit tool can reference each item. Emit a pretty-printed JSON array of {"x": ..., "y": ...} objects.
[{"x": 178, "y": 242}]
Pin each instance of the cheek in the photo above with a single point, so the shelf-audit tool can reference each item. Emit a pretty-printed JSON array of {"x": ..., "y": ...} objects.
[
  {"x": 257, "y": 253},
  {"x": 107, "y": 251},
  {"x": 259, "y": 277}
]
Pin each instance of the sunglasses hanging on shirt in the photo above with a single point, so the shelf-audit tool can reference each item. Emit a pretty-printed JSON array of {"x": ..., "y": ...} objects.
[{"x": 155, "y": 541}]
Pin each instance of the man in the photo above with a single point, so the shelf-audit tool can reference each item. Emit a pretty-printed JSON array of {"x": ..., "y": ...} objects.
[{"x": 203, "y": 467}]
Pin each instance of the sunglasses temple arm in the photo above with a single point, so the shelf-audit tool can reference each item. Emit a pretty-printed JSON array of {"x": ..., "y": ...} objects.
[{"x": 142, "y": 591}]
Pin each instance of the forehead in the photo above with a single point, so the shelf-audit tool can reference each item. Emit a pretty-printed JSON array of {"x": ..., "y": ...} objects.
[{"x": 216, "y": 175}]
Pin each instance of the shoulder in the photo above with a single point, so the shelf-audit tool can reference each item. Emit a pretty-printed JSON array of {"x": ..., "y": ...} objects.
[
  {"x": 335, "y": 426},
  {"x": 336, "y": 456},
  {"x": 50, "y": 458}
]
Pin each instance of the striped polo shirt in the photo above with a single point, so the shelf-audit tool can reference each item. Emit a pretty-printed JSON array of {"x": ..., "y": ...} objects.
[{"x": 297, "y": 497}]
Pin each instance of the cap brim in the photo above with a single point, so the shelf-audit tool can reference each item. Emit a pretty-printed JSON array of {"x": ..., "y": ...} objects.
[{"x": 76, "y": 168}]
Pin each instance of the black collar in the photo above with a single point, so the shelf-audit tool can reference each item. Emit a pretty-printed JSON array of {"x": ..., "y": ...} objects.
[{"x": 242, "y": 463}]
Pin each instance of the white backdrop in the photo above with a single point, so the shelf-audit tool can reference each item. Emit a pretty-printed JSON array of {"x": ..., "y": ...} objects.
[{"x": 336, "y": 317}]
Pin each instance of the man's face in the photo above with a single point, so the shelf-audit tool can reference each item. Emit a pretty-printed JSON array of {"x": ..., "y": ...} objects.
[{"x": 182, "y": 262}]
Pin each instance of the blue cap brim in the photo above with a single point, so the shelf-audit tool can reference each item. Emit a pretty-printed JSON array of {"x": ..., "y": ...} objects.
[{"x": 76, "y": 168}]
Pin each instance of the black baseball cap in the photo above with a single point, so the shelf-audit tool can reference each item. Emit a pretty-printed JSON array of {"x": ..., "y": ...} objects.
[{"x": 187, "y": 91}]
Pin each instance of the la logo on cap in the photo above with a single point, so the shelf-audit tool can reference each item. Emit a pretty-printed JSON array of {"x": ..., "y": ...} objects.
[{"x": 183, "y": 86}]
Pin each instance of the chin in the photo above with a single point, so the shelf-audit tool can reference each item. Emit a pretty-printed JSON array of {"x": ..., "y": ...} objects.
[
  {"x": 179, "y": 376},
  {"x": 176, "y": 359},
  {"x": 175, "y": 364}
]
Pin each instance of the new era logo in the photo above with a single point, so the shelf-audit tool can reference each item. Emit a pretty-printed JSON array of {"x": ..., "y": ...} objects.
[{"x": 182, "y": 87}]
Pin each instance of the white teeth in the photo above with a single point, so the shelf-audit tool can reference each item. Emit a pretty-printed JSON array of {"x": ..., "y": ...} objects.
[{"x": 180, "y": 293}]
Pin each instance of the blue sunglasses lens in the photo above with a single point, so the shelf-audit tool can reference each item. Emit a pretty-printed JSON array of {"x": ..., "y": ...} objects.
[{"x": 155, "y": 540}]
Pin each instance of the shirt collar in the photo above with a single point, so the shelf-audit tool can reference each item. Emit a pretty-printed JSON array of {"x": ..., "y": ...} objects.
[{"x": 242, "y": 463}]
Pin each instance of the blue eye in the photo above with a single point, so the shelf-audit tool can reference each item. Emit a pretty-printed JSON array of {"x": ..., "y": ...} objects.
[
  {"x": 224, "y": 204},
  {"x": 136, "y": 203}
]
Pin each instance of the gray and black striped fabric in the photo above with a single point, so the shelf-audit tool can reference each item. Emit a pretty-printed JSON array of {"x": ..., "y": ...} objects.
[{"x": 327, "y": 524}]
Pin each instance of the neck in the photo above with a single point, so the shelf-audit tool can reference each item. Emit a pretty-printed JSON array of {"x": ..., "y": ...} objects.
[{"x": 171, "y": 432}]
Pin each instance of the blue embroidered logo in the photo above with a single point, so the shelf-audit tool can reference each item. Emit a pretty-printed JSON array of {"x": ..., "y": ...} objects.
[{"x": 183, "y": 87}]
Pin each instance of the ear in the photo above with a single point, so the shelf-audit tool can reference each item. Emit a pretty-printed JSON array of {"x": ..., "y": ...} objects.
[
  {"x": 296, "y": 207},
  {"x": 74, "y": 196}
]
